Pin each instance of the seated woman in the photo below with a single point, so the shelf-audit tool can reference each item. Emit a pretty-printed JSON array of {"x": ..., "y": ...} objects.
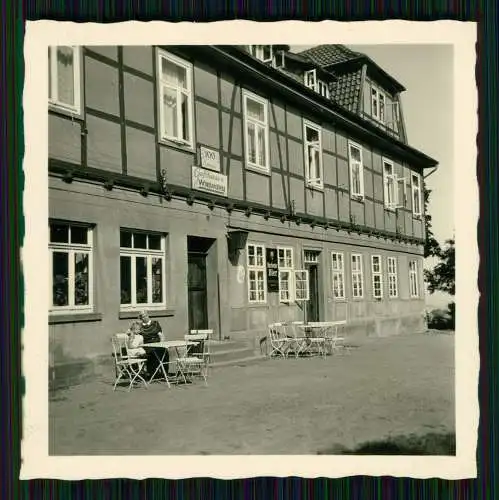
[{"x": 151, "y": 332}]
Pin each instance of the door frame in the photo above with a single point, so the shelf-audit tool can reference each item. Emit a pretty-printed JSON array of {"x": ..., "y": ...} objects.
[{"x": 321, "y": 295}]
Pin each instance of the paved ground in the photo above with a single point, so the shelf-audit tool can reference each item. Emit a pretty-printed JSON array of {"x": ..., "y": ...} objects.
[{"x": 386, "y": 387}]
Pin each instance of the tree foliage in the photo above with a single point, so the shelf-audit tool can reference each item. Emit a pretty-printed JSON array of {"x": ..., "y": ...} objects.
[
  {"x": 442, "y": 276},
  {"x": 431, "y": 246}
]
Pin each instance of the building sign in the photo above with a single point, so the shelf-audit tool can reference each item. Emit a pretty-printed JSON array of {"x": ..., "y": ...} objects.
[
  {"x": 272, "y": 270},
  {"x": 210, "y": 159},
  {"x": 208, "y": 181}
]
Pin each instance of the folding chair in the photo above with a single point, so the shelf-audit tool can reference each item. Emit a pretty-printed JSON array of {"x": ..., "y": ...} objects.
[
  {"x": 279, "y": 342},
  {"x": 296, "y": 343},
  {"x": 127, "y": 367},
  {"x": 316, "y": 341},
  {"x": 196, "y": 359}
]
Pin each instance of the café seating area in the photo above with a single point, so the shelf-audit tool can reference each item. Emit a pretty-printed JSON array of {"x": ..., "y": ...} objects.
[{"x": 299, "y": 339}]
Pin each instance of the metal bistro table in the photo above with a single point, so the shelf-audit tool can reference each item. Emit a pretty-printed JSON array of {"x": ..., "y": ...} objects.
[
  {"x": 313, "y": 337},
  {"x": 166, "y": 345}
]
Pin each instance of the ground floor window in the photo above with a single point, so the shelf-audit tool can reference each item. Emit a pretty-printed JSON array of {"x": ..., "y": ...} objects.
[
  {"x": 413, "y": 278},
  {"x": 357, "y": 276},
  {"x": 338, "y": 275},
  {"x": 286, "y": 274},
  {"x": 255, "y": 260},
  {"x": 71, "y": 249},
  {"x": 377, "y": 275},
  {"x": 392, "y": 277},
  {"x": 142, "y": 269}
]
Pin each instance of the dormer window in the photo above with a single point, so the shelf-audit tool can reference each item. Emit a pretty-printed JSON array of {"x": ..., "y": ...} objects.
[
  {"x": 378, "y": 101},
  {"x": 314, "y": 83},
  {"x": 262, "y": 52}
]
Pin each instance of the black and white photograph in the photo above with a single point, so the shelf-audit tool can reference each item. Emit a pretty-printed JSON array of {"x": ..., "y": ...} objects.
[{"x": 246, "y": 252}]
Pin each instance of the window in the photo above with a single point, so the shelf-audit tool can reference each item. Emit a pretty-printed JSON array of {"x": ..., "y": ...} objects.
[
  {"x": 286, "y": 274},
  {"x": 357, "y": 276},
  {"x": 71, "y": 248},
  {"x": 377, "y": 275},
  {"x": 416, "y": 195},
  {"x": 338, "y": 275},
  {"x": 262, "y": 52},
  {"x": 313, "y": 155},
  {"x": 175, "y": 98},
  {"x": 142, "y": 269},
  {"x": 301, "y": 285},
  {"x": 377, "y": 104},
  {"x": 256, "y": 127},
  {"x": 413, "y": 278},
  {"x": 390, "y": 184},
  {"x": 314, "y": 83},
  {"x": 392, "y": 277},
  {"x": 257, "y": 290},
  {"x": 64, "y": 77},
  {"x": 356, "y": 170}
]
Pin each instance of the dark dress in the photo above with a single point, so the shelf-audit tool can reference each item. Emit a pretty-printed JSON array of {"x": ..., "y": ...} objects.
[{"x": 150, "y": 333}]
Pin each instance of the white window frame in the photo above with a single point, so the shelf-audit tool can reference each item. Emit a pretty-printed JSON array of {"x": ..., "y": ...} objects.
[
  {"x": 258, "y": 124},
  {"x": 301, "y": 276},
  {"x": 312, "y": 82},
  {"x": 416, "y": 190},
  {"x": 71, "y": 249},
  {"x": 53, "y": 91},
  {"x": 391, "y": 265},
  {"x": 351, "y": 164},
  {"x": 338, "y": 271},
  {"x": 286, "y": 268},
  {"x": 377, "y": 96},
  {"x": 188, "y": 93},
  {"x": 357, "y": 275},
  {"x": 377, "y": 272},
  {"x": 413, "y": 279},
  {"x": 258, "y": 52},
  {"x": 148, "y": 254},
  {"x": 317, "y": 182},
  {"x": 256, "y": 268},
  {"x": 322, "y": 88}
]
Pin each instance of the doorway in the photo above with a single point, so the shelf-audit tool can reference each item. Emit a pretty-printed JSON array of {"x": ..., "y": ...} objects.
[
  {"x": 197, "y": 282},
  {"x": 311, "y": 260}
]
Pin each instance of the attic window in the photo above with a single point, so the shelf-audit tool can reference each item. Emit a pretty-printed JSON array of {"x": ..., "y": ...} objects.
[
  {"x": 378, "y": 104},
  {"x": 312, "y": 82},
  {"x": 262, "y": 52}
]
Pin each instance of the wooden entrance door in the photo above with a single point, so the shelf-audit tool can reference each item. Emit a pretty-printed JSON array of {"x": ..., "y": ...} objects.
[
  {"x": 197, "y": 291},
  {"x": 313, "y": 313}
]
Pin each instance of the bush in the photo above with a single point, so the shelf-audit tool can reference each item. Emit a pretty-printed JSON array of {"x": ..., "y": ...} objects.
[{"x": 442, "y": 319}]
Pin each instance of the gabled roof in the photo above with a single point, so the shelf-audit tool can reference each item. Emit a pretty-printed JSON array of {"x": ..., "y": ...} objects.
[
  {"x": 326, "y": 55},
  {"x": 346, "y": 90}
]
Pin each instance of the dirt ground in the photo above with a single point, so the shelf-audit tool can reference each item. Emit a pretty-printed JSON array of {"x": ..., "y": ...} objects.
[{"x": 384, "y": 388}]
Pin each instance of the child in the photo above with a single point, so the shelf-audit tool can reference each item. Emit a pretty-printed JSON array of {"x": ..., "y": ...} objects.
[{"x": 135, "y": 339}]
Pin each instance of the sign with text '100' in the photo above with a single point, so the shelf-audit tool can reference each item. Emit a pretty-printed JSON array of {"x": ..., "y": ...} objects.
[{"x": 210, "y": 159}]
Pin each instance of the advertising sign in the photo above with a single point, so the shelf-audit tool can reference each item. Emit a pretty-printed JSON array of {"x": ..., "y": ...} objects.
[
  {"x": 208, "y": 181},
  {"x": 272, "y": 270},
  {"x": 210, "y": 159}
]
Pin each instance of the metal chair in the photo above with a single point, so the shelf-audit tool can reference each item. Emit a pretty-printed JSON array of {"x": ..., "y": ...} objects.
[
  {"x": 196, "y": 359},
  {"x": 127, "y": 367},
  {"x": 279, "y": 342}
]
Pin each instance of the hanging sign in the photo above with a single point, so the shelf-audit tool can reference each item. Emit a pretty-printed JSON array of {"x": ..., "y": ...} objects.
[{"x": 272, "y": 270}]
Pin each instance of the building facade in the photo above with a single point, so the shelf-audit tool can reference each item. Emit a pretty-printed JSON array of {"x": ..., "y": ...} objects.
[{"x": 228, "y": 188}]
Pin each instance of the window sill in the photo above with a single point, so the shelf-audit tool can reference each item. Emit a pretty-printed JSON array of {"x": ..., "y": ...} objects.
[
  {"x": 74, "y": 318},
  {"x": 179, "y": 146},
  {"x": 357, "y": 197},
  {"x": 260, "y": 170},
  {"x": 158, "y": 313},
  {"x": 73, "y": 114},
  {"x": 315, "y": 187},
  {"x": 256, "y": 304}
]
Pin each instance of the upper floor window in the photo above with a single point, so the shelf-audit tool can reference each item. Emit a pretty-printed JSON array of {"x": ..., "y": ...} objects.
[
  {"x": 256, "y": 126},
  {"x": 356, "y": 170},
  {"x": 378, "y": 104},
  {"x": 175, "y": 98},
  {"x": 357, "y": 276},
  {"x": 255, "y": 260},
  {"x": 377, "y": 276},
  {"x": 338, "y": 275},
  {"x": 314, "y": 83},
  {"x": 262, "y": 52},
  {"x": 394, "y": 188},
  {"x": 64, "y": 77},
  {"x": 413, "y": 278},
  {"x": 313, "y": 154},
  {"x": 142, "y": 269},
  {"x": 392, "y": 277},
  {"x": 416, "y": 195},
  {"x": 71, "y": 251}
]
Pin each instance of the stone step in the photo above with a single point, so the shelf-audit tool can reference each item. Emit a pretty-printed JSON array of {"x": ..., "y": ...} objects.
[
  {"x": 226, "y": 345},
  {"x": 231, "y": 354},
  {"x": 238, "y": 362}
]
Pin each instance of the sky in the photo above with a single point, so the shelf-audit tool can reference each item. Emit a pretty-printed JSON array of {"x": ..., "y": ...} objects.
[{"x": 426, "y": 71}]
